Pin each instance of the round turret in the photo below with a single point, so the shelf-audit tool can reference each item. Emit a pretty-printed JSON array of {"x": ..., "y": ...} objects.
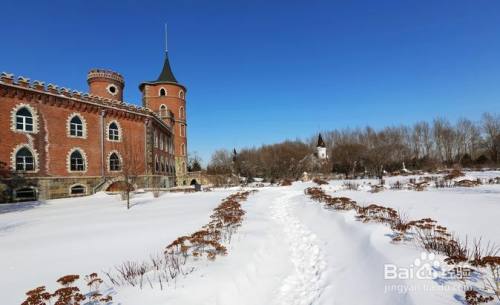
[{"x": 106, "y": 83}]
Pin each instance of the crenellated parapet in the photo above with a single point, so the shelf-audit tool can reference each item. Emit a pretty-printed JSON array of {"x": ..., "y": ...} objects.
[
  {"x": 39, "y": 87},
  {"x": 107, "y": 74}
]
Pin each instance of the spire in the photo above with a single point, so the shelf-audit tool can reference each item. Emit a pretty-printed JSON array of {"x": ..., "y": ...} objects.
[
  {"x": 166, "y": 39},
  {"x": 321, "y": 143},
  {"x": 166, "y": 74}
]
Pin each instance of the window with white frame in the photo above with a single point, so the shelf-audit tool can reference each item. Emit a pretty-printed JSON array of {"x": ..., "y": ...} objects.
[
  {"x": 25, "y": 160},
  {"x": 182, "y": 130},
  {"x": 114, "y": 163},
  {"x": 163, "y": 110},
  {"x": 163, "y": 92},
  {"x": 24, "y": 120},
  {"x": 113, "y": 132},
  {"x": 77, "y": 161},
  {"x": 76, "y": 126},
  {"x": 181, "y": 94}
]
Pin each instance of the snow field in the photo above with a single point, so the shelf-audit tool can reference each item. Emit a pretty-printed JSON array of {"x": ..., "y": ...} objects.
[
  {"x": 90, "y": 234},
  {"x": 288, "y": 250}
]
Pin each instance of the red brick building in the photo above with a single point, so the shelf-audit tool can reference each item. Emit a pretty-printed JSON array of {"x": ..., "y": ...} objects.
[{"x": 68, "y": 143}]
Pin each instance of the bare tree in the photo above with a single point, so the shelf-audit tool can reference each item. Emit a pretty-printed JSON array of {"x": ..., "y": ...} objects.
[
  {"x": 421, "y": 146},
  {"x": 348, "y": 157},
  {"x": 491, "y": 128},
  {"x": 221, "y": 162},
  {"x": 444, "y": 135},
  {"x": 131, "y": 167}
]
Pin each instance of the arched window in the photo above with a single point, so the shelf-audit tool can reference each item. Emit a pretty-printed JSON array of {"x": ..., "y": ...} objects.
[
  {"x": 114, "y": 163},
  {"x": 163, "y": 110},
  {"x": 162, "y": 165},
  {"x": 78, "y": 190},
  {"x": 113, "y": 132},
  {"x": 163, "y": 92},
  {"x": 24, "y": 120},
  {"x": 25, "y": 160},
  {"x": 157, "y": 164},
  {"x": 181, "y": 113},
  {"x": 77, "y": 162},
  {"x": 155, "y": 139},
  {"x": 76, "y": 127},
  {"x": 181, "y": 94},
  {"x": 182, "y": 130},
  {"x": 161, "y": 142}
]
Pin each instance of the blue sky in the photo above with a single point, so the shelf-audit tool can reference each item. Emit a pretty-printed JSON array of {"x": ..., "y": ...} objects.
[{"x": 263, "y": 71}]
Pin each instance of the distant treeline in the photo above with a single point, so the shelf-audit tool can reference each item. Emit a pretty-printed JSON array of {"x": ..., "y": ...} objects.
[{"x": 424, "y": 145}]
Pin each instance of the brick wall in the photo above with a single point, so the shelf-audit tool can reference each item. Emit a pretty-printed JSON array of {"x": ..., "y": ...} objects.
[
  {"x": 51, "y": 142},
  {"x": 175, "y": 102}
]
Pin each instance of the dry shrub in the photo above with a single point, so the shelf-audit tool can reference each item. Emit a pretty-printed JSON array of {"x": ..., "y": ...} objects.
[
  {"x": 37, "y": 296},
  {"x": 454, "y": 174},
  {"x": 433, "y": 237},
  {"x": 491, "y": 273},
  {"x": 472, "y": 297},
  {"x": 68, "y": 279},
  {"x": 377, "y": 213},
  {"x": 68, "y": 294},
  {"x": 337, "y": 203},
  {"x": 467, "y": 183},
  {"x": 227, "y": 217},
  {"x": 319, "y": 181},
  {"x": 286, "y": 182},
  {"x": 418, "y": 186}
]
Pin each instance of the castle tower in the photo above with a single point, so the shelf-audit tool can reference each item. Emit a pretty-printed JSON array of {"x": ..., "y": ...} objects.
[
  {"x": 321, "y": 148},
  {"x": 107, "y": 84},
  {"x": 167, "y": 97}
]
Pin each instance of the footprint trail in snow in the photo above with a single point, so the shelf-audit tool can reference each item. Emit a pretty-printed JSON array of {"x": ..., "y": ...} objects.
[{"x": 304, "y": 285}]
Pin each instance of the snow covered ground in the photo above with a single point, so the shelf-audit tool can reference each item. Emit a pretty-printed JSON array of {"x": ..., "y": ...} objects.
[
  {"x": 289, "y": 250},
  {"x": 40, "y": 243}
]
